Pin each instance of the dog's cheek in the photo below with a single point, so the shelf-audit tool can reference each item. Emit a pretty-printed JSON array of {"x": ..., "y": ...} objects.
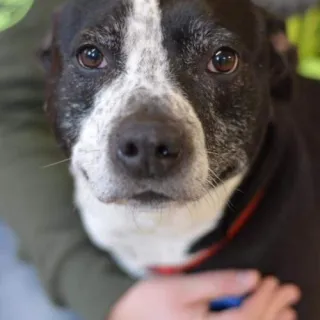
[
  {"x": 227, "y": 108},
  {"x": 69, "y": 124},
  {"x": 77, "y": 91},
  {"x": 242, "y": 112},
  {"x": 74, "y": 104}
]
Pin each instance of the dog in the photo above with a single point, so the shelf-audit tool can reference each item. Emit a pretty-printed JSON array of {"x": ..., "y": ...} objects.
[{"x": 186, "y": 152}]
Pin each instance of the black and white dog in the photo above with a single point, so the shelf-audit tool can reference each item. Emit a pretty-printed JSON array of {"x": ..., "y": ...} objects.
[{"x": 185, "y": 153}]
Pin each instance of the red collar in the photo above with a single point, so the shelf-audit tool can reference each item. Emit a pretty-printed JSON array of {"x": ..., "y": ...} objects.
[{"x": 206, "y": 254}]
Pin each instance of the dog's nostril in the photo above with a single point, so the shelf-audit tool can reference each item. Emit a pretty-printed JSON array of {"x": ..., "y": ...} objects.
[{"x": 130, "y": 150}]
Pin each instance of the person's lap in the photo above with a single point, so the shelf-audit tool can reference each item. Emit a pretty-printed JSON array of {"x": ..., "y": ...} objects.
[{"x": 21, "y": 294}]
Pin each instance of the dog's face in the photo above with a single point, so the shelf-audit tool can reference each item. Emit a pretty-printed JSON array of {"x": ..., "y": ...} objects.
[{"x": 158, "y": 100}]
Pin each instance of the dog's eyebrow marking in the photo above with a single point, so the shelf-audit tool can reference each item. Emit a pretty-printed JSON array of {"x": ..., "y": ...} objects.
[
  {"x": 202, "y": 27},
  {"x": 203, "y": 32},
  {"x": 103, "y": 35}
]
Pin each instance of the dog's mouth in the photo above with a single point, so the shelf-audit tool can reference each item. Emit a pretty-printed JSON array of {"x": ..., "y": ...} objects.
[
  {"x": 150, "y": 197},
  {"x": 143, "y": 197}
]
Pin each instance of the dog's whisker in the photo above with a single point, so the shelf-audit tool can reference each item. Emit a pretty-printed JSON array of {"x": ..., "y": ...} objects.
[
  {"x": 213, "y": 184},
  {"x": 209, "y": 194},
  {"x": 219, "y": 195},
  {"x": 190, "y": 212},
  {"x": 228, "y": 204},
  {"x": 215, "y": 197},
  {"x": 215, "y": 175},
  {"x": 218, "y": 179},
  {"x": 56, "y": 163}
]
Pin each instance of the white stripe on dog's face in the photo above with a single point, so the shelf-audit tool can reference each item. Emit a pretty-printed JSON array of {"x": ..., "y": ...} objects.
[
  {"x": 146, "y": 57},
  {"x": 145, "y": 77}
]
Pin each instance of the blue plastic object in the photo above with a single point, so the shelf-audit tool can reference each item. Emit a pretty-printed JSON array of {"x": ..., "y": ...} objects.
[{"x": 226, "y": 303}]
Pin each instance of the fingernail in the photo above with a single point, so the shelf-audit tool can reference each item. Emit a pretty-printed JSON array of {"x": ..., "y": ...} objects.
[{"x": 248, "y": 278}]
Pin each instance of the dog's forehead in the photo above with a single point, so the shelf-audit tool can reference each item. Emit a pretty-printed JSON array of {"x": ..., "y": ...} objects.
[{"x": 237, "y": 16}]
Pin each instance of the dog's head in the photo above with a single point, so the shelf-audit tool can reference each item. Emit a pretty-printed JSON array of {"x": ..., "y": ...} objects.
[{"x": 161, "y": 100}]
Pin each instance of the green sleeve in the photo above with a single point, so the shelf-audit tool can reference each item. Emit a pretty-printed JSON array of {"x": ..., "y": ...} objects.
[{"x": 37, "y": 202}]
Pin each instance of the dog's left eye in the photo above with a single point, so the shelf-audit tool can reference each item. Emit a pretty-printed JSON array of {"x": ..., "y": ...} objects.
[
  {"x": 91, "y": 57},
  {"x": 224, "y": 61}
]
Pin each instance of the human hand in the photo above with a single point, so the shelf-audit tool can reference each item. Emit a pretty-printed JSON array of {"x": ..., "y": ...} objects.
[
  {"x": 270, "y": 301},
  {"x": 188, "y": 298}
]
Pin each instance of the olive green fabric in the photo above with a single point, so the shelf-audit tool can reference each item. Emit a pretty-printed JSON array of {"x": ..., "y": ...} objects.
[{"x": 35, "y": 201}]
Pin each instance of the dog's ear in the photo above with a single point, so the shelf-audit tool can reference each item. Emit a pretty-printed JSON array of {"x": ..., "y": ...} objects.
[
  {"x": 283, "y": 58},
  {"x": 44, "y": 53},
  {"x": 50, "y": 56},
  {"x": 48, "y": 51}
]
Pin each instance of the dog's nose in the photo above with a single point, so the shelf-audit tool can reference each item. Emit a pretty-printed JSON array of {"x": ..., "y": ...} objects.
[{"x": 149, "y": 148}]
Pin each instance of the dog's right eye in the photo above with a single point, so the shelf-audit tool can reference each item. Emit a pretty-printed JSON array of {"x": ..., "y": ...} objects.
[
  {"x": 91, "y": 57},
  {"x": 224, "y": 61}
]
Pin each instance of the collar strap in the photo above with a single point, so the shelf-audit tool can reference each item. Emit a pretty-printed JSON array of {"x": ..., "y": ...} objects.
[{"x": 208, "y": 253}]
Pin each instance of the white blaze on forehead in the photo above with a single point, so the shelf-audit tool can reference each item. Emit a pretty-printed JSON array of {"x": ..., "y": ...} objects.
[
  {"x": 146, "y": 67},
  {"x": 143, "y": 41}
]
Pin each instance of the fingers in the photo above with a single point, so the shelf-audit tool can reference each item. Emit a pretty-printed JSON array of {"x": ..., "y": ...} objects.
[
  {"x": 210, "y": 286},
  {"x": 270, "y": 302},
  {"x": 285, "y": 297},
  {"x": 259, "y": 302},
  {"x": 288, "y": 314},
  {"x": 229, "y": 315},
  {"x": 271, "y": 299}
]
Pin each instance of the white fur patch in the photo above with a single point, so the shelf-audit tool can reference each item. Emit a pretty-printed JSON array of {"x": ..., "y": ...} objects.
[{"x": 139, "y": 239}]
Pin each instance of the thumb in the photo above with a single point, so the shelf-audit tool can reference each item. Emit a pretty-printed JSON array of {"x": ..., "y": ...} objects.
[{"x": 212, "y": 285}]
